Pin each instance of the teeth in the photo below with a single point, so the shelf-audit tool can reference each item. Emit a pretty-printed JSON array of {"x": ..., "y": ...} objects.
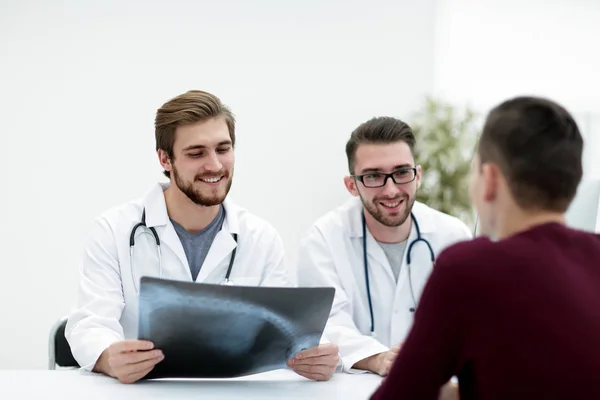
[
  {"x": 212, "y": 180},
  {"x": 391, "y": 205}
]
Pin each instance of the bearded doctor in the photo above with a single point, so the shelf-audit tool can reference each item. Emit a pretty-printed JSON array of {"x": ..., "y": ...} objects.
[
  {"x": 186, "y": 229},
  {"x": 377, "y": 249}
]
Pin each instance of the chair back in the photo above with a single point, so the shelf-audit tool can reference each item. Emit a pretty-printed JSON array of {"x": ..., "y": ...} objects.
[{"x": 59, "y": 351}]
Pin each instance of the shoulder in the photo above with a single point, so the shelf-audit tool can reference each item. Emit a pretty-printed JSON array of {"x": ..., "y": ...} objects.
[
  {"x": 451, "y": 225},
  {"x": 111, "y": 229},
  {"x": 124, "y": 214},
  {"x": 250, "y": 224},
  {"x": 479, "y": 261},
  {"x": 339, "y": 219},
  {"x": 468, "y": 252}
]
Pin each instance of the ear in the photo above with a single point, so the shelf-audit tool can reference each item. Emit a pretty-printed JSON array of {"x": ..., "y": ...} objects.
[
  {"x": 350, "y": 184},
  {"x": 164, "y": 160},
  {"x": 418, "y": 178},
  {"x": 490, "y": 175}
]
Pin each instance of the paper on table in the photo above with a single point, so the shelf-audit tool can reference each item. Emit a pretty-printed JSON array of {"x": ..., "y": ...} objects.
[{"x": 224, "y": 331}]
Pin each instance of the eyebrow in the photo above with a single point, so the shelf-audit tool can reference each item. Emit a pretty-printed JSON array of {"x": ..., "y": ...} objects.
[
  {"x": 200, "y": 146},
  {"x": 368, "y": 170}
]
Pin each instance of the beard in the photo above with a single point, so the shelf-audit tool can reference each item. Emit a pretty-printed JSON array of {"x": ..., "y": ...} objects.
[
  {"x": 386, "y": 218},
  {"x": 208, "y": 198}
]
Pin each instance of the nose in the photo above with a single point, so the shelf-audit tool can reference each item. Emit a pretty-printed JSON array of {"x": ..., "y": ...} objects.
[
  {"x": 213, "y": 163},
  {"x": 390, "y": 189}
]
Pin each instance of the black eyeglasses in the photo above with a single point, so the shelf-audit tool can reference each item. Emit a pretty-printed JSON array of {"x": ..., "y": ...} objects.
[{"x": 378, "y": 179}]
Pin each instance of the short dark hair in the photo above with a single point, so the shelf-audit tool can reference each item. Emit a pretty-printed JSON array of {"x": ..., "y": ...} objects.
[
  {"x": 538, "y": 147},
  {"x": 188, "y": 108},
  {"x": 378, "y": 130}
]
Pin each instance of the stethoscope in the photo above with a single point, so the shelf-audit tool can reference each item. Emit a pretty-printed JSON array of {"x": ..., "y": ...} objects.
[
  {"x": 142, "y": 224},
  {"x": 408, "y": 258}
]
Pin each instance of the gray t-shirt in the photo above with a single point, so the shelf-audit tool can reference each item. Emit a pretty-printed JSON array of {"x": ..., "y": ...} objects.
[
  {"x": 395, "y": 255},
  {"x": 196, "y": 245}
]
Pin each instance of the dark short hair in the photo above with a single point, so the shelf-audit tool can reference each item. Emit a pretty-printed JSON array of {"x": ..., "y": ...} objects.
[
  {"x": 379, "y": 130},
  {"x": 538, "y": 147}
]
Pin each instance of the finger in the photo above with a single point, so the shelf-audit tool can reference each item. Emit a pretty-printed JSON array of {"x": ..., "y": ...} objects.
[
  {"x": 129, "y": 360},
  {"x": 317, "y": 372},
  {"x": 324, "y": 360},
  {"x": 123, "y": 359},
  {"x": 141, "y": 356},
  {"x": 314, "y": 377},
  {"x": 133, "y": 345},
  {"x": 321, "y": 350},
  {"x": 132, "y": 369},
  {"x": 310, "y": 376},
  {"x": 136, "y": 376}
]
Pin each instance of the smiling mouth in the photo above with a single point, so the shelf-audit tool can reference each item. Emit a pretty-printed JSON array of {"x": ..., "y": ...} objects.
[
  {"x": 213, "y": 179},
  {"x": 393, "y": 204}
]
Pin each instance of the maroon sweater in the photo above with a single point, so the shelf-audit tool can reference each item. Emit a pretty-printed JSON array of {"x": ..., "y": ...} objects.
[{"x": 515, "y": 319}]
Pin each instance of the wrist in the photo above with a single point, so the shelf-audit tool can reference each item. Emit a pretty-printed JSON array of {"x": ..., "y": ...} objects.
[
  {"x": 371, "y": 363},
  {"x": 101, "y": 365},
  {"x": 375, "y": 363}
]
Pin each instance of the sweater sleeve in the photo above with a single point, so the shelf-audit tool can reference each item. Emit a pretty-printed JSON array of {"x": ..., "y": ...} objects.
[{"x": 431, "y": 353}]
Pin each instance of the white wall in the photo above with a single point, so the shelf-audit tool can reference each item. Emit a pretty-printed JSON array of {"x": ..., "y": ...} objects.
[
  {"x": 80, "y": 83},
  {"x": 489, "y": 50}
]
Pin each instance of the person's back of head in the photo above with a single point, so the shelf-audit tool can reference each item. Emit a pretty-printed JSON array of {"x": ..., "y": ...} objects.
[
  {"x": 539, "y": 276},
  {"x": 527, "y": 167}
]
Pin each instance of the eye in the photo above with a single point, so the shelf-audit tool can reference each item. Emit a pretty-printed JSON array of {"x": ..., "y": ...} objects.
[{"x": 223, "y": 150}]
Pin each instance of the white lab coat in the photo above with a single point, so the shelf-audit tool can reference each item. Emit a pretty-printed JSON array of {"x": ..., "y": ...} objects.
[
  {"x": 108, "y": 302},
  {"x": 331, "y": 254}
]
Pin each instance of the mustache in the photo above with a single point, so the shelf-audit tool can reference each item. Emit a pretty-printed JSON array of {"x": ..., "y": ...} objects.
[
  {"x": 385, "y": 198},
  {"x": 223, "y": 174}
]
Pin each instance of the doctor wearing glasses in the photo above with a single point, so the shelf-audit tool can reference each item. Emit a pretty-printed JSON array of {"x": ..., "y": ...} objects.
[
  {"x": 378, "y": 249},
  {"x": 185, "y": 230}
]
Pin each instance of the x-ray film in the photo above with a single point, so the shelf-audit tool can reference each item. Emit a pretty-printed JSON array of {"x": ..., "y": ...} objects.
[{"x": 224, "y": 331}]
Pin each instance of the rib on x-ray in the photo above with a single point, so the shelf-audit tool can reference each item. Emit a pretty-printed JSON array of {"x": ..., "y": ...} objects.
[{"x": 223, "y": 331}]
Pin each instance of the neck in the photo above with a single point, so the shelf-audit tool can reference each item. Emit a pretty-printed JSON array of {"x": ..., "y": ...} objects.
[
  {"x": 521, "y": 221},
  {"x": 186, "y": 213},
  {"x": 388, "y": 234}
]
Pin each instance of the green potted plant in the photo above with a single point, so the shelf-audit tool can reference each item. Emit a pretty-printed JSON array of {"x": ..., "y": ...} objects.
[{"x": 446, "y": 137}]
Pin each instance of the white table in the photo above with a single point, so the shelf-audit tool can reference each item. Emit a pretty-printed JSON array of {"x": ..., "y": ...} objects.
[{"x": 81, "y": 385}]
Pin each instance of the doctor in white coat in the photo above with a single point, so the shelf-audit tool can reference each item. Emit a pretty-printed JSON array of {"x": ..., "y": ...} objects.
[
  {"x": 190, "y": 232},
  {"x": 378, "y": 249}
]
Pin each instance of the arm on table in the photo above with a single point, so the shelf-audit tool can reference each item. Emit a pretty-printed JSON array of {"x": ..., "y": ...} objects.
[
  {"x": 318, "y": 363},
  {"x": 93, "y": 330},
  {"x": 431, "y": 353},
  {"x": 316, "y": 268}
]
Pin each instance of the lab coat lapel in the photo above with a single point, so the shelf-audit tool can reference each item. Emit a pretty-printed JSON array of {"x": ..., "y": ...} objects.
[
  {"x": 421, "y": 265},
  {"x": 222, "y": 247},
  {"x": 171, "y": 240},
  {"x": 220, "y": 250},
  {"x": 377, "y": 258},
  {"x": 403, "y": 276},
  {"x": 157, "y": 217}
]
